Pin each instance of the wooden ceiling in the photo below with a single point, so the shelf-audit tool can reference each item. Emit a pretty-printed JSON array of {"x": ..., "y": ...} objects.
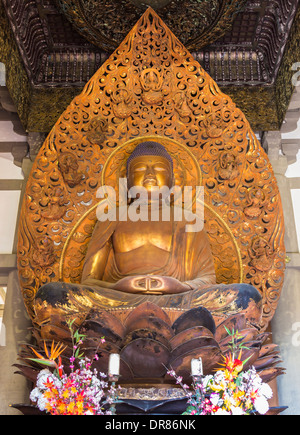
[{"x": 51, "y": 48}]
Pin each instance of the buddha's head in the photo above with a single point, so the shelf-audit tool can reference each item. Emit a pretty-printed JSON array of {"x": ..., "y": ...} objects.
[{"x": 150, "y": 165}]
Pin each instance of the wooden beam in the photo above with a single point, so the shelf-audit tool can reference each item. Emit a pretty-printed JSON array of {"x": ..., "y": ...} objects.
[
  {"x": 11, "y": 184},
  {"x": 8, "y": 263}
]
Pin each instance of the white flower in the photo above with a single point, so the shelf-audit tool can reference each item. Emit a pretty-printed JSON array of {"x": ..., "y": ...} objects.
[
  {"x": 206, "y": 380},
  {"x": 261, "y": 405},
  {"x": 35, "y": 395},
  {"x": 214, "y": 398},
  {"x": 42, "y": 402},
  {"x": 266, "y": 390},
  {"x": 46, "y": 376},
  {"x": 219, "y": 376},
  {"x": 236, "y": 410},
  {"x": 221, "y": 412},
  {"x": 42, "y": 378}
]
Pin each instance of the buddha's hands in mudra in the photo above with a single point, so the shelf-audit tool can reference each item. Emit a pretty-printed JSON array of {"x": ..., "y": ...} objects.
[{"x": 151, "y": 285}]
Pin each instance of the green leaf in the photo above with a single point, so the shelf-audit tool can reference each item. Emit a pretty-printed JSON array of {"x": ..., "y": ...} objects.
[
  {"x": 189, "y": 410},
  {"x": 43, "y": 362},
  {"x": 246, "y": 360},
  {"x": 70, "y": 323},
  {"x": 227, "y": 330},
  {"x": 239, "y": 379}
]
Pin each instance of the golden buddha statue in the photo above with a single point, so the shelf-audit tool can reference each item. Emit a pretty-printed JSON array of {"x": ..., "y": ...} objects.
[{"x": 129, "y": 263}]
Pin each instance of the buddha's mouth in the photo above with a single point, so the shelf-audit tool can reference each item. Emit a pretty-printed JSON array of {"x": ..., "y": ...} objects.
[{"x": 150, "y": 181}]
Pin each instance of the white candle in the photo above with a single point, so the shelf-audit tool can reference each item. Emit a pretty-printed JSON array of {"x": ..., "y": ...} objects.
[
  {"x": 114, "y": 364},
  {"x": 197, "y": 367}
]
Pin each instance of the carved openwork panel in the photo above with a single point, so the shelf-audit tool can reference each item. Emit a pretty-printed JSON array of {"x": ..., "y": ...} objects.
[{"x": 152, "y": 86}]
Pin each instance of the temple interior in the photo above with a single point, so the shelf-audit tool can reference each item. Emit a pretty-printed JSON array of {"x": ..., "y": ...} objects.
[{"x": 52, "y": 64}]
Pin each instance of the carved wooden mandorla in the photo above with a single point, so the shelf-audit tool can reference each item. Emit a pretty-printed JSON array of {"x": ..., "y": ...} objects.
[{"x": 152, "y": 87}]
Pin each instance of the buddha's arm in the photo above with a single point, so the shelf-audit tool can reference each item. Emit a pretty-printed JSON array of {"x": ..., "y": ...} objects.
[
  {"x": 200, "y": 262},
  {"x": 201, "y": 282},
  {"x": 207, "y": 275},
  {"x": 95, "y": 264}
]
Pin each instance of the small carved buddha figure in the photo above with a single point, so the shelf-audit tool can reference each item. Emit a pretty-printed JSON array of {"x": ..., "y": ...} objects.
[
  {"x": 128, "y": 263},
  {"x": 256, "y": 199}
]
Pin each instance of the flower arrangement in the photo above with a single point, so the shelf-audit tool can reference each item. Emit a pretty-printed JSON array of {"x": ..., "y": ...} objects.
[
  {"x": 81, "y": 392},
  {"x": 230, "y": 391}
]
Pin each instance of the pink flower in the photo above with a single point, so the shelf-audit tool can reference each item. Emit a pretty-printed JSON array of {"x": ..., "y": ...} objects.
[{"x": 179, "y": 379}]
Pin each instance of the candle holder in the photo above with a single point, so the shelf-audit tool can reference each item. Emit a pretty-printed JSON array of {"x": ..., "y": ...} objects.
[
  {"x": 196, "y": 368},
  {"x": 113, "y": 377},
  {"x": 197, "y": 375},
  {"x": 197, "y": 378}
]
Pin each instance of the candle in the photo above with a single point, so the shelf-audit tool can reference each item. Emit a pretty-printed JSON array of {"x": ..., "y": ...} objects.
[
  {"x": 197, "y": 367},
  {"x": 114, "y": 364}
]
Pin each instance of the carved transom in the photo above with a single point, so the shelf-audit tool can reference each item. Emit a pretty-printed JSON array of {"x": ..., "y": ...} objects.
[{"x": 105, "y": 23}]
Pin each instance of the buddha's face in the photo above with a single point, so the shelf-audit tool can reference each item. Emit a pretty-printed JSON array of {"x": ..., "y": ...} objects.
[{"x": 149, "y": 172}]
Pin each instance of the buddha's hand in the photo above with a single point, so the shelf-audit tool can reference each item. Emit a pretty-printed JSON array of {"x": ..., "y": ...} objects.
[{"x": 151, "y": 285}]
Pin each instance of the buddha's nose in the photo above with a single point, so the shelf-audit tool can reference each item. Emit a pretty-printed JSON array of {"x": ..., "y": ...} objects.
[
  {"x": 150, "y": 172},
  {"x": 150, "y": 175}
]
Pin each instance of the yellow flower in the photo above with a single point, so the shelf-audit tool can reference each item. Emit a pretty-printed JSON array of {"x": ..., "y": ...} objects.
[
  {"x": 80, "y": 408},
  {"x": 49, "y": 395},
  {"x": 71, "y": 407},
  {"x": 48, "y": 407},
  {"x": 62, "y": 407},
  {"x": 232, "y": 386},
  {"x": 66, "y": 394},
  {"x": 238, "y": 395},
  {"x": 217, "y": 387},
  {"x": 227, "y": 403}
]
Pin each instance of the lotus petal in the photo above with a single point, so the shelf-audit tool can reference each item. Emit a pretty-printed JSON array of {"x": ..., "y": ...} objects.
[
  {"x": 236, "y": 322},
  {"x": 195, "y": 343},
  {"x": 145, "y": 333},
  {"x": 211, "y": 358},
  {"x": 152, "y": 324},
  {"x": 195, "y": 317},
  {"x": 190, "y": 334},
  {"x": 147, "y": 358},
  {"x": 147, "y": 309}
]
